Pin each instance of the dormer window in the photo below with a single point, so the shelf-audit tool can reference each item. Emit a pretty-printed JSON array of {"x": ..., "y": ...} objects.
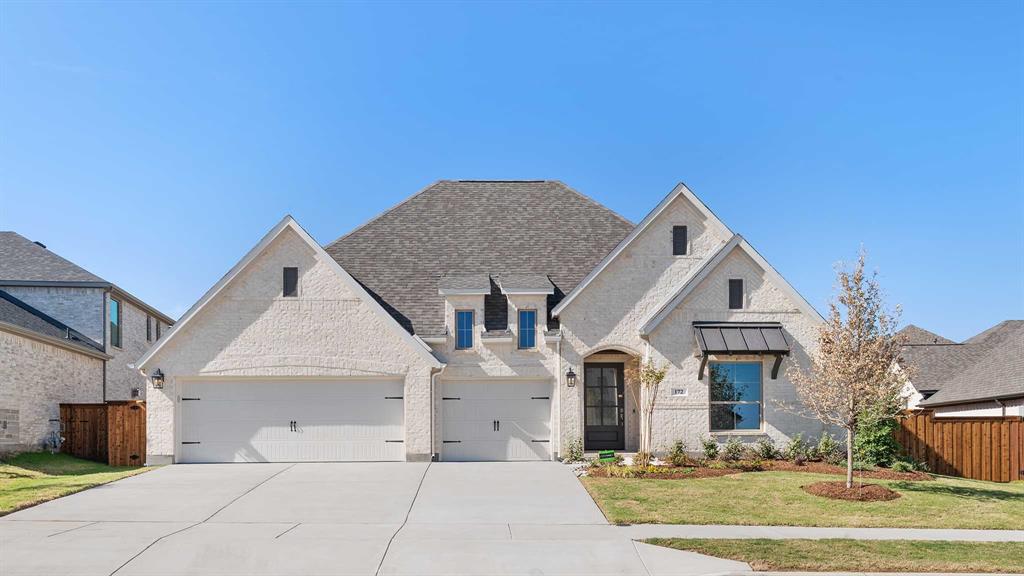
[
  {"x": 679, "y": 240},
  {"x": 463, "y": 329},
  {"x": 291, "y": 283},
  {"x": 735, "y": 294}
]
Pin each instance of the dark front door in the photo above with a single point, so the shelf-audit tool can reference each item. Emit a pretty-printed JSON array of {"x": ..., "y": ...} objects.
[{"x": 604, "y": 413}]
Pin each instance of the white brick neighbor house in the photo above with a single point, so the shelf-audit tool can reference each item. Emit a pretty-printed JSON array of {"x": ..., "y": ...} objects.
[
  {"x": 66, "y": 336},
  {"x": 481, "y": 320}
]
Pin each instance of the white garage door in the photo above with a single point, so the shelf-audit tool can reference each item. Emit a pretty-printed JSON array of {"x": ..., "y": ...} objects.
[
  {"x": 313, "y": 421},
  {"x": 496, "y": 421}
]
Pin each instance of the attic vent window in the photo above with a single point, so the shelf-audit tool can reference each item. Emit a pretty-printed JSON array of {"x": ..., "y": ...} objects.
[
  {"x": 291, "y": 282},
  {"x": 679, "y": 240},
  {"x": 735, "y": 294}
]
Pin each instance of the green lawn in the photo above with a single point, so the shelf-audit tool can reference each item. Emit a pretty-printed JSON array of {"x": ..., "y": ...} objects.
[
  {"x": 775, "y": 498},
  {"x": 31, "y": 478},
  {"x": 861, "y": 555}
]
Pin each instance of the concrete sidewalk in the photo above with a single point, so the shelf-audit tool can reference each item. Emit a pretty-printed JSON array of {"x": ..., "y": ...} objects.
[{"x": 642, "y": 531}]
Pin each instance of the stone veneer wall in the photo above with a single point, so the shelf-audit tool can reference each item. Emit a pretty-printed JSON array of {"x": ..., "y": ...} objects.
[
  {"x": 250, "y": 330},
  {"x": 35, "y": 377}
]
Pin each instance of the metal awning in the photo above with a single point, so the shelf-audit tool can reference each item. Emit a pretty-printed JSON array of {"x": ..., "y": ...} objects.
[{"x": 735, "y": 338}]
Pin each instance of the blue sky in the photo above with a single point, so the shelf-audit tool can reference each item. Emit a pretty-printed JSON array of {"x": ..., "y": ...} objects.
[{"x": 154, "y": 144}]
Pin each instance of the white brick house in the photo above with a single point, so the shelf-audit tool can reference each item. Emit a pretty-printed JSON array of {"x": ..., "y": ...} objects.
[{"x": 481, "y": 320}]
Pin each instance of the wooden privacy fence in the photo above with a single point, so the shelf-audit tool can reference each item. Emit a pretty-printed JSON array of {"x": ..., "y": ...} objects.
[
  {"x": 977, "y": 448},
  {"x": 114, "y": 433}
]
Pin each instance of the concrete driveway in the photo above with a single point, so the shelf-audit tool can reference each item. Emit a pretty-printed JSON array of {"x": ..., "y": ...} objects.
[{"x": 338, "y": 518}]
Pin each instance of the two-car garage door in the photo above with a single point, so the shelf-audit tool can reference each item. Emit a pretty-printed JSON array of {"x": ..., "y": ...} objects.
[{"x": 292, "y": 421}]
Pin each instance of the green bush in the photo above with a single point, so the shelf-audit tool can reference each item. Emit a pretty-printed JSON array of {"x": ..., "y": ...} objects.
[
  {"x": 829, "y": 450},
  {"x": 902, "y": 466},
  {"x": 862, "y": 466},
  {"x": 796, "y": 448},
  {"x": 677, "y": 454},
  {"x": 765, "y": 449},
  {"x": 874, "y": 442},
  {"x": 710, "y": 448},
  {"x": 574, "y": 452},
  {"x": 732, "y": 451}
]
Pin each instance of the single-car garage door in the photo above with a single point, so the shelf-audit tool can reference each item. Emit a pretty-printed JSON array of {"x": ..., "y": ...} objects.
[
  {"x": 292, "y": 421},
  {"x": 496, "y": 421}
]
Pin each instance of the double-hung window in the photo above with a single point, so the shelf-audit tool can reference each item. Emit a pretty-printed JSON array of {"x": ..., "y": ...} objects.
[
  {"x": 735, "y": 391},
  {"x": 115, "y": 323},
  {"x": 463, "y": 329},
  {"x": 527, "y": 328}
]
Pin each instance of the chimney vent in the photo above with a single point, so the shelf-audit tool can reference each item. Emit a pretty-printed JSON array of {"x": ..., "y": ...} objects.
[{"x": 38, "y": 243}]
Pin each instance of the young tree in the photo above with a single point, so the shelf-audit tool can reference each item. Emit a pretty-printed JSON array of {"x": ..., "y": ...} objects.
[
  {"x": 854, "y": 375},
  {"x": 645, "y": 394}
]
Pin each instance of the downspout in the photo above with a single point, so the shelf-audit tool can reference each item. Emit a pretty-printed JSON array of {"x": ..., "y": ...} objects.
[
  {"x": 106, "y": 324},
  {"x": 434, "y": 373},
  {"x": 1002, "y": 406},
  {"x": 558, "y": 399}
]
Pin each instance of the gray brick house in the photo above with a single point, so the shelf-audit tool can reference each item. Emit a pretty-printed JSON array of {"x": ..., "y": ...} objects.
[
  {"x": 481, "y": 320},
  {"x": 66, "y": 336}
]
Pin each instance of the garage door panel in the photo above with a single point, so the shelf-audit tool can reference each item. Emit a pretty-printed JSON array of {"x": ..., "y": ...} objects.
[
  {"x": 241, "y": 421},
  {"x": 523, "y": 413}
]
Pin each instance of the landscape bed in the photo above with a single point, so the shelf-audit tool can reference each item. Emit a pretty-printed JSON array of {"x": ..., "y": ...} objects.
[{"x": 860, "y": 555}]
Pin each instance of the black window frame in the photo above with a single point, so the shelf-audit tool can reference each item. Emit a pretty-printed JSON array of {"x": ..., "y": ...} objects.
[
  {"x": 293, "y": 280},
  {"x": 736, "y": 293},
  {"x": 116, "y": 333},
  {"x": 472, "y": 328},
  {"x": 680, "y": 246},
  {"x": 759, "y": 403}
]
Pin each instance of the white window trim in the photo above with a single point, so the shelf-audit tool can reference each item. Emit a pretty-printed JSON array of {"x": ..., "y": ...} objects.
[
  {"x": 519, "y": 329},
  {"x": 472, "y": 329}
]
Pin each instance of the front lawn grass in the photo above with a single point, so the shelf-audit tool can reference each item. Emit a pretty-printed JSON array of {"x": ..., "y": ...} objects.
[
  {"x": 775, "y": 498},
  {"x": 30, "y": 478},
  {"x": 860, "y": 555}
]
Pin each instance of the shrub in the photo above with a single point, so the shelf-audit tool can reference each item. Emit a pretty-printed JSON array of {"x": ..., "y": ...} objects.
[
  {"x": 863, "y": 466},
  {"x": 631, "y": 471},
  {"x": 710, "y": 448},
  {"x": 829, "y": 450},
  {"x": 732, "y": 451},
  {"x": 796, "y": 447},
  {"x": 574, "y": 451},
  {"x": 875, "y": 443},
  {"x": 902, "y": 466},
  {"x": 800, "y": 459},
  {"x": 765, "y": 449},
  {"x": 677, "y": 454}
]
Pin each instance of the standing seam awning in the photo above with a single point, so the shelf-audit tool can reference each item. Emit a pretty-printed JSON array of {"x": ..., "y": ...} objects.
[{"x": 732, "y": 338}]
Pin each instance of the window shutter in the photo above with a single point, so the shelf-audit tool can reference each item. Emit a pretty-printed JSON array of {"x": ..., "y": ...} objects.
[
  {"x": 679, "y": 240},
  {"x": 735, "y": 294},
  {"x": 291, "y": 282}
]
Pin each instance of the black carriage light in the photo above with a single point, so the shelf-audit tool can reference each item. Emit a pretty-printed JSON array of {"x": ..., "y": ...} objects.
[
  {"x": 570, "y": 378},
  {"x": 158, "y": 379}
]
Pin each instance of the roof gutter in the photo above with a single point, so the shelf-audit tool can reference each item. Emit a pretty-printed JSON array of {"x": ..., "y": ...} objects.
[
  {"x": 14, "y": 329},
  {"x": 997, "y": 398}
]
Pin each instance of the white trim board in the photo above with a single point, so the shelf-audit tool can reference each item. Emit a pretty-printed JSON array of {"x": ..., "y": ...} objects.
[
  {"x": 679, "y": 190},
  {"x": 289, "y": 223}
]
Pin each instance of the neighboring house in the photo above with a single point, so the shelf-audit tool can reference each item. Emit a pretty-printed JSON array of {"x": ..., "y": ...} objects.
[
  {"x": 66, "y": 335},
  {"x": 481, "y": 320},
  {"x": 981, "y": 377}
]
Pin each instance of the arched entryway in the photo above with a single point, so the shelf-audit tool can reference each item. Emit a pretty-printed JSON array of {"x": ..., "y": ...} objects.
[{"x": 610, "y": 419}]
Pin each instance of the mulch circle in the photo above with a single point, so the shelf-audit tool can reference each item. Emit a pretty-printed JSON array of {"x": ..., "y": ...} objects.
[{"x": 859, "y": 492}]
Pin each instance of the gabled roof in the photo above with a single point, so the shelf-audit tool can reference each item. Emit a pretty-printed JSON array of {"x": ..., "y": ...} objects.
[
  {"x": 26, "y": 263},
  {"x": 17, "y": 316},
  {"x": 994, "y": 370},
  {"x": 679, "y": 190},
  {"x": 915, "y": 335},
  {"x": 699, "y": 273},
  {"x": 458, "y": 228},
  {"x": 289, "y": 223}
]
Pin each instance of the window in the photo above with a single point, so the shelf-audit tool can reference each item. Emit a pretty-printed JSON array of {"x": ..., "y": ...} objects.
[
  {"x": 735, "y": 294},
  {"x": 527, "y": 328},
  {"x": 291, "y": 282},
  {"x": 149, "y": 328},
  {"x": 157, "y": 329},
  {"x": 463, "y": 329},
  {"x": 735, "y": 391},
  {"x": 115, "y": 322},
  {"x": 679, "y": 240}
]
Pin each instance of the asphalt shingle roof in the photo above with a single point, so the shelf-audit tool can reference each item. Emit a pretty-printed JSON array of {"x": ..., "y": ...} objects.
[
  {"x": 461, "y": 228},
  {"x": 14, "y": 311},
  {"x": 988, "y": 365},
  {"x": 918, "y": 335},
  {"x": 25, "y": 261}
]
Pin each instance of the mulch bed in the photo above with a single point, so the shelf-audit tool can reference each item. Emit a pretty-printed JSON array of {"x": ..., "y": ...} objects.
[
  {"x": 859, "y": 492},
  {"x": 668, "y": 473},
  {"x": 823, "y": 468}
]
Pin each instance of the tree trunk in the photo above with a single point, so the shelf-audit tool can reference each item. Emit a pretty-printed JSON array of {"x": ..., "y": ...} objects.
[{"x": 849, "y": 457}]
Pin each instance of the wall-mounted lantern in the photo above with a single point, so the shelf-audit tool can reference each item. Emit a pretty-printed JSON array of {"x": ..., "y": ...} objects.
[
  {"x": 158, "y": 379},
  {"x": 570, "y": 378}
]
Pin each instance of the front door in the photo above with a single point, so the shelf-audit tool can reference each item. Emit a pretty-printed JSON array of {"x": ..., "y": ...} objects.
[{"x": 604, "y": 407}]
